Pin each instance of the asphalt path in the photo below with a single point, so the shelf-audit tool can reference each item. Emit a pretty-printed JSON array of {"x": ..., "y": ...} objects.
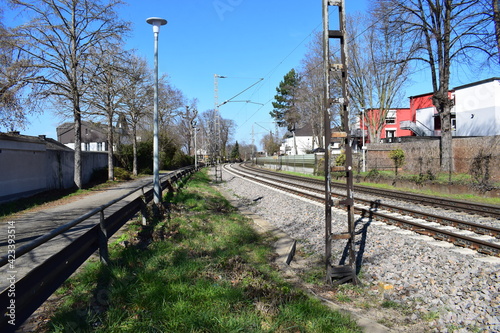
[{"x": 34, "y": 224}]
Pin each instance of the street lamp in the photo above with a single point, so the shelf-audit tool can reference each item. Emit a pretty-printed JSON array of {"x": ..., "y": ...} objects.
[
  {"x": 363, "y": 147},
  {"x": 156, "y": 22},
  {"x": 193, "y": 125}
]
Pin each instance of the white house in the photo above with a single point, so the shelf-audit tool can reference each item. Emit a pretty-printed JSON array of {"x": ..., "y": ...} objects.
[
  {"x": 299, "y": 142},
  {"x": 476, "y": 110}
]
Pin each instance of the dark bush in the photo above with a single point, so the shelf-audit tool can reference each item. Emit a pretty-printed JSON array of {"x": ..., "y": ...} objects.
[
  {"x": 171, "y": 157},
  {"x": 373, "y": 173},
  {"x": 121, "y": 174}
]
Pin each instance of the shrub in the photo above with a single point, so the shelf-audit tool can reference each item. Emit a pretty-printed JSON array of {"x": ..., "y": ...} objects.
[
  {"x": 340, "y": 159},
  {"x": 373, "y": 173},
  {"x": 121, "y": 174},
  {"x": 398, "y": 157}
]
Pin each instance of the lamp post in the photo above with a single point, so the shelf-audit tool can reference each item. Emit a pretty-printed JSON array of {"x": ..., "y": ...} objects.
[
  {"x": 156, "y": 22},
  {"x": 363, "y": 147},
  {"x": 193, "y": 124}
]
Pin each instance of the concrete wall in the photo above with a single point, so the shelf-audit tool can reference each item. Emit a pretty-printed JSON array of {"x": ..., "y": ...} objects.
[
  {"x": 22, "y": 167},
  {"x": 28, "y": 167},
  {"x": 423, "y": 155}
]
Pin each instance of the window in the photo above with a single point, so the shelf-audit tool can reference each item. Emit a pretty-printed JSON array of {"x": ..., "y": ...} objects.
[
  {"x": 99, "y": 146},
  {"x": 390, "y": 133},
  {"x": 390, "y": 118},
  {"x": 86, "y": 146}
]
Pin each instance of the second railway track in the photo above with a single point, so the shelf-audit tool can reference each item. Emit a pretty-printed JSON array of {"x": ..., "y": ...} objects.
[{"x": 480, "y": 237}]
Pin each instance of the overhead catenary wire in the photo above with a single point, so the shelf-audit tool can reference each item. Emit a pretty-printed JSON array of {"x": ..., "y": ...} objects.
[{"x": 271, "y": 72}]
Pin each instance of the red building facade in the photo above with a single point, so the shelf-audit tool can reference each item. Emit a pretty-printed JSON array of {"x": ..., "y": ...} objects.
[{"x": 391, "y": 127}]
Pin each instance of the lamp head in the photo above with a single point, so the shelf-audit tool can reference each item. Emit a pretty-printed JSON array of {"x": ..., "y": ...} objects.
[{"x": 156, "y": 22}]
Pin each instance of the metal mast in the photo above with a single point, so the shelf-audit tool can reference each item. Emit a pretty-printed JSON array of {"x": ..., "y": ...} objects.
[
  {"x": 343, "y": 272},
  {"x": 218, "y": 148}
]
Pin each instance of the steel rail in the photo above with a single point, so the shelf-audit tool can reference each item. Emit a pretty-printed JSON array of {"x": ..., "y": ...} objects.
[
  {"x": 455, "y": 205},
  {"x": 439, "y": 234},
  {"x": 447, "y": 221}
]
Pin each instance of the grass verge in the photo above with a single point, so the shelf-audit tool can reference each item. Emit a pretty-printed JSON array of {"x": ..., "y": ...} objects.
[
  {"x": 440, "y": 179},
  {"x": 204, "y": 269}
]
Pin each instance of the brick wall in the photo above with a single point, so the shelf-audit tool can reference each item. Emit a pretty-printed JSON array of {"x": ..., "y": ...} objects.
[{"x": 423, "y": 155}]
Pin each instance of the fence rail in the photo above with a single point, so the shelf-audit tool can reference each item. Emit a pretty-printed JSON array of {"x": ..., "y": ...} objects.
[
  {"x": 299, "y": 163},
  {"x": 36, "y": 286}
]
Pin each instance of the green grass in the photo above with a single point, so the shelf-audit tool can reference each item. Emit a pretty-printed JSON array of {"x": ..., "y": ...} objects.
[
  {"x": 211, "y": 273},
  {"x": 465, "y": 197}
]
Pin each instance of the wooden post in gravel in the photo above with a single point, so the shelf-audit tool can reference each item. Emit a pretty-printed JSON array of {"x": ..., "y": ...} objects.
[{"x": 343, "y": 272}]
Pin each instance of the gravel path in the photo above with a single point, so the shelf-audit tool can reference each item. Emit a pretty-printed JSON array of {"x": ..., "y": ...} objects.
[{"x": 458, "y": 289}]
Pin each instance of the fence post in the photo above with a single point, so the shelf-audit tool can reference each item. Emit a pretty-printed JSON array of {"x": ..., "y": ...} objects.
[
  {"x": 144, "y": 208},
  {"x": 103, "y": 240}
]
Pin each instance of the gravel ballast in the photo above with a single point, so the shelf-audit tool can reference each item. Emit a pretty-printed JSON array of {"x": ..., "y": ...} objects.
[{"x": 456, "y": 289}]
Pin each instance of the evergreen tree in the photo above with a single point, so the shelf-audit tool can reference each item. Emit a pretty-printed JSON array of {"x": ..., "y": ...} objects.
[
  {"x": 235, "y": 153},
  {"x": 285, "y": 110}
]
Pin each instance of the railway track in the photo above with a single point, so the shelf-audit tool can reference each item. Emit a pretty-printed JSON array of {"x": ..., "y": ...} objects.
[
  {"x": 419, "y": 199},
  {"x": 476, "y": 236}
]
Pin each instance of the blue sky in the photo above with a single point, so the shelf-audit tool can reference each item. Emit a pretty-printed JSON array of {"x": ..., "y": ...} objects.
[{"x": 242, "y": 39}]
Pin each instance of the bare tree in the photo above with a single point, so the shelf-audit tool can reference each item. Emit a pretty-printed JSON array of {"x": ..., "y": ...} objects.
[
  {"x": 378, "y": 68},
  {"x": 227, "y": 127},
  {"x": 171, "y": 102},
  {"x": 207, "y": 127},
  {"x": 106, "y": 92},
  {"x": 209, "y": 131},
  {"x": 246, "y": 150},
  {"x": 186, "y": 124},
  {"x": 270, "y": 143},
  {"x": 59, "y": 40},
  {"x": 310, "y": 101},
  {"x": 137, "y": 99},
  {"x": 310, "y": 92},
  {"x": 16, "y": 72},
  {"x": 445, "y": 32},
  {"x": 494, "y": 5}
]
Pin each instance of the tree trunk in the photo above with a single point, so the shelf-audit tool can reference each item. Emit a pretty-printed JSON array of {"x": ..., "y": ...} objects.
[
  {"x": 446, "y": 142},
  {"x": 444, "y": 105},
  {"x": 77, "y": 175},
  {"x": 134, "y": 148},
  {"x": 111, "y": 172},
  {"x": 374, "y": 134},
  {"x": 295, "y": 143}
]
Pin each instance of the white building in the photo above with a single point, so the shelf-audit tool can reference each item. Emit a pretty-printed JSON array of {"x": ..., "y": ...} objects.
[
  {"x": 476, "y": 110},
  {"x": 299, "y": 142}
]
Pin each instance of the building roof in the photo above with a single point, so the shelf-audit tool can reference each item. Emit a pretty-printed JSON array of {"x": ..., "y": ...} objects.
[
  {"x": 66, "y": 127},
  {"x": 491, "y": 79},
  {"x": 306, "y": 130},
  {"x": 16, "y": 136},
  {"x": 41, "y": 139}
]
